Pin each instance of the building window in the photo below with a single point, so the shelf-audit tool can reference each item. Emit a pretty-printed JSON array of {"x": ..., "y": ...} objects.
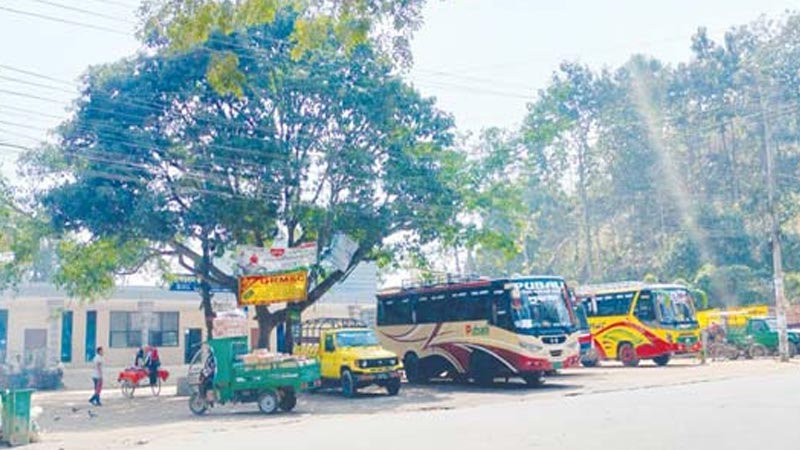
[
  {"x": 164, "y": 332},
  {"x": 126, "y": 330}
]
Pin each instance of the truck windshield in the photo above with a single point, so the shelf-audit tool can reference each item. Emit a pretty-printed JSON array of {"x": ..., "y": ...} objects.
[
  {"x": 772, "y": 324},
  {"x": 675, "y": 306},
  {"x": 364, "y": 338}
]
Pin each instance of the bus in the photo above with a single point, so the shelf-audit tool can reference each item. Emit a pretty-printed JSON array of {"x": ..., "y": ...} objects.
[
  {"x": 631, "y": 321},
  {"x": 479, "y": 329}
]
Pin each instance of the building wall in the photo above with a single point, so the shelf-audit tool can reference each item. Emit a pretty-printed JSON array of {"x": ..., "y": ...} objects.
[{"x": 40, "y": 307}]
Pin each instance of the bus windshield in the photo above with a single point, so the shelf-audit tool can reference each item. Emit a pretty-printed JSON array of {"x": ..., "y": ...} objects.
[
  {"x": 548, "y": 305},
  {"x": 675, "y": 306}
]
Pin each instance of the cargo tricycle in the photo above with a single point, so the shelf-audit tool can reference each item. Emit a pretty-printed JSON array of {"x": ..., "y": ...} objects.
[{"x": 224, "y": 371}]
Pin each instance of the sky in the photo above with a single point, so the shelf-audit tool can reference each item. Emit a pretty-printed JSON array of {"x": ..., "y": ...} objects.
[{"x": 483, "y": 60}]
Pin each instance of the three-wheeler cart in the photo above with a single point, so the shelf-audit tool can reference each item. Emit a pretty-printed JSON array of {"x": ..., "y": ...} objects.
[{"x": 222, "y": 372}]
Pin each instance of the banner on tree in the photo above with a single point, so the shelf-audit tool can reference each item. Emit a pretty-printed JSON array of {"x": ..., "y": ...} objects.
[
  {"x": 276, "y": 288},
  {"x": 276, "y": 259}
]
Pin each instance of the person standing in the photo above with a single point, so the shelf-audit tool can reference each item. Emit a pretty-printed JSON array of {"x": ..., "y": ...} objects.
[
  {"x": 152, "y": 362},
  {"x": 97, "y": 377}
]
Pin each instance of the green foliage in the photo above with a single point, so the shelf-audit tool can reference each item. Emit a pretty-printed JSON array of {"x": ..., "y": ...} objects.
[
  {"x": 21, "y": 237},
  {"x": 164, "y": 158},
  {"x": 651, "y": 169},
  {"x": 317, "y": 27},
  {"x": 87, "y": 271}
]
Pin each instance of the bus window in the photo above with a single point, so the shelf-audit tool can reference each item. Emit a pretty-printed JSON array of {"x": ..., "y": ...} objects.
[
  {"x": 501, "y": 313},
  {"x": 466, "y": 307},
  {"x": 645, "y": 307},
  {"x": 612, "y": 304},
  {"x": 395, "y": 311},
  {"x": 430, "y": 309}
]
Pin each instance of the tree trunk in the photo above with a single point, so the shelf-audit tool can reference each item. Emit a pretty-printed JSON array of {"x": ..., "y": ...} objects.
[
  {"x": 584, "y": 196},
  {"x": 266, "y": 323},
  {"x": 205, "y": 287}
]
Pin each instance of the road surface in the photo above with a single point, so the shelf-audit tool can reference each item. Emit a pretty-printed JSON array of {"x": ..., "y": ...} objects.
[{"x": 730, "y": 406}]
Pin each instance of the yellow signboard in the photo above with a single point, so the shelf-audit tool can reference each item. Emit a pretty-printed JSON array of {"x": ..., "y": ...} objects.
[{"x": 276, "y": 288}]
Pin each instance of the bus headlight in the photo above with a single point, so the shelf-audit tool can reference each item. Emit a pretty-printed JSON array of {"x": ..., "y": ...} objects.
[
  {"x": 531, "y": 347},
  {"x": 575, "y": 345}
]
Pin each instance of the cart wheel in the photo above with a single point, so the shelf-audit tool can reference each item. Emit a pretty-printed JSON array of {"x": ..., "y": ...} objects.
[
  {"x": 268, "y": 402},
  {"x": 156, "y": 388},
  {"x": 288, "y": 400},
  {"x": 128, "y": 388},
  {"x": 198, "y": 403}
]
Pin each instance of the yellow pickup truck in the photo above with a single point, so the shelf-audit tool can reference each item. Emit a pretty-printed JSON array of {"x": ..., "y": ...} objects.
[{"x": 349, "y": 355}]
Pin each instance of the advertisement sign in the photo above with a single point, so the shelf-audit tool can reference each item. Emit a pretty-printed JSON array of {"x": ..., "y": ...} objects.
[
  {"x": 275, "y": 288},
  {"x": 276, "y": 259},
  {"x": 342, "y": 250}
]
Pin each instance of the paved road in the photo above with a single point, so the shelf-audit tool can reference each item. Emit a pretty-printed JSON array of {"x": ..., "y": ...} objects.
[
  {"x": 740, "y": 405},
  {"x": 734, "y": 414},
  {"x": 743, "y": 412}
]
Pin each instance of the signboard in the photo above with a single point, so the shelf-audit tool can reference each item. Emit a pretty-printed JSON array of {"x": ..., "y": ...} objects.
[
  {"x": 192, "y": 285},
  {"x": 275, "y": 288},
  {"x": 342, "y": 250},
  {"x": 276, "y": 259}
]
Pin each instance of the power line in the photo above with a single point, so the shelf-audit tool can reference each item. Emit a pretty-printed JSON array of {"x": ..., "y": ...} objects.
[
  {"x": 61, "y": 20},
  {"x": 83, "y": 11},
  {"x": 35, "y": 84},
  {"x": 36, "y": 75}
]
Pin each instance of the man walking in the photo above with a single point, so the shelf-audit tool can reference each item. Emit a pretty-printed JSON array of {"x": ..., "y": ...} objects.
[{"x": 97, "y": 377}]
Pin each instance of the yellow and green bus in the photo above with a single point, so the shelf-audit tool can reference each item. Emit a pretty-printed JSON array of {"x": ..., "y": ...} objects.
[{"x": 631, "y": 321}]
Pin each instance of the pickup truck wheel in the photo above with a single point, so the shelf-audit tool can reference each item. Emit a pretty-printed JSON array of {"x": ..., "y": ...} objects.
[
  {"x": 349, "y": 388},
  {"x": 792, "y": 350},
  {"x": 393, "y": 386},
  {"x": 288, "y": 400},
  {"x": 662, "y": 360},
  {"x": 198, "y": 404},
  {"x": 757, "y": 351},
  {"x": 268, "y": 402}
]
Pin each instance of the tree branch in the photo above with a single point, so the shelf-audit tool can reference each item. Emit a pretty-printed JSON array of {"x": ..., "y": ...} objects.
[{"x": 215, "y": 274}]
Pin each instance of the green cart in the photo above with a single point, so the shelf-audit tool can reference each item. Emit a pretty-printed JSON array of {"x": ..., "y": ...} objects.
[{"x": 221, "y": 373}]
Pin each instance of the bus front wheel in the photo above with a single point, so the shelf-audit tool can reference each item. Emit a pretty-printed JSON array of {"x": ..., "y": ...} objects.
[
  {"x": 411, "y": 366},
  {"x": 480, "y": 369},
  {"x": 627, "y": 355},
  {"x": 534, "y": 379}
]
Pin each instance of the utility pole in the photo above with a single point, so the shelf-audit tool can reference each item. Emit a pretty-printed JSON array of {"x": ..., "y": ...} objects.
[{"x": 777, "y": 264}]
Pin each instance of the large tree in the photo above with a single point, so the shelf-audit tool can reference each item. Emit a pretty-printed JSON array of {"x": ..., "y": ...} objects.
[{"x": 159, "y": 162}]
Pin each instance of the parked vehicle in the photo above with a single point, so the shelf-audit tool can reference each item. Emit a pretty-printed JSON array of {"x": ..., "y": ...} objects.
[
  {"x": 131, "y": 378},
  {"x": 478, "y": 328},
  {"x": 759, "y": 337},
  {"x": 631, "y": 321},
  {"x": 224, "y": 371},
  {"x": 588, "y": 354},
  {"x": 350, "y": 355}
]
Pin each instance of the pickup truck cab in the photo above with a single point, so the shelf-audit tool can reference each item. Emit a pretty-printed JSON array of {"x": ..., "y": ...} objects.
[
  {"x": 759, "y": 337},
  {"x": 350, "y": 355}
]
